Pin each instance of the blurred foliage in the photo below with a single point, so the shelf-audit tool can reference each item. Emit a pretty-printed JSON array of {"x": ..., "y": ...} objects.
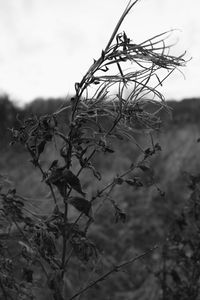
[
  {"x": 150, "y": 211},
  {"x": 184, "y": 112},
  {"x": 179, "y": 273}
]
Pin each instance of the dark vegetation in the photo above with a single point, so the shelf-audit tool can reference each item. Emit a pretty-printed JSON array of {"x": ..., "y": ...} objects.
[
  {"x": 149, "y": 213},
  {"x": 183, "y": 112},
  {"x": 99, "y": 200}
]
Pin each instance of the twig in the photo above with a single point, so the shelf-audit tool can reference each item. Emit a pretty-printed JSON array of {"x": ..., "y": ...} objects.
[
  {"x": 65, "y": 235},
  {"x": 65, "y": 262},
  {"x": 68, "y": 258},
  {"x": 43, "y": 173},
  {"x": 113, "y": 182},
  {"x": 28, "y": 242},
  {"x": 126, "y": 11},
  {"x": 114, "y": 269}
]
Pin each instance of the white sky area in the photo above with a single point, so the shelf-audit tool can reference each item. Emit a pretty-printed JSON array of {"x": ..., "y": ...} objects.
[{"x": 47, "y": 45}]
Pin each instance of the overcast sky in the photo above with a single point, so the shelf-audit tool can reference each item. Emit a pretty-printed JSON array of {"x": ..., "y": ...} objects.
[{"x": 47, "y": 45}]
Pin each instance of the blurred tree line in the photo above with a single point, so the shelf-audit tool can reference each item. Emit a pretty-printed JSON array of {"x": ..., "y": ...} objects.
[
  {"x": 185, "y": 111},
  {"x": 11, "y": 114}
]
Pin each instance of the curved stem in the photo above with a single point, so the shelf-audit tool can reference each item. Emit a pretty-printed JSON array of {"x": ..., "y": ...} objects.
[{"x": 116, "y": 268}]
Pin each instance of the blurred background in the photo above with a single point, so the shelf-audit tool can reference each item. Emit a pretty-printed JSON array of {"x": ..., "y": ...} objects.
[{"x": 45, "y": 47}]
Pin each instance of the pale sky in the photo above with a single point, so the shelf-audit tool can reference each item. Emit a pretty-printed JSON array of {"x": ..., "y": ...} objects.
[{"x": 47, "y": 45}]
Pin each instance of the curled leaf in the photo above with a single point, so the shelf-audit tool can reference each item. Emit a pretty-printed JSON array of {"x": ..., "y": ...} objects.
[{"x": 61, "y": 177}]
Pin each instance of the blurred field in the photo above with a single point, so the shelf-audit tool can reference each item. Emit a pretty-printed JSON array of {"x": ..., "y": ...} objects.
[{"x": 149, "y": 214}]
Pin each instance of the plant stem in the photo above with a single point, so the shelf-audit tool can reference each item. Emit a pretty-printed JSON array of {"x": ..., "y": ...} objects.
[
  {"x": 126, "y": 11},
  {"x": 114, "y": 269},
  {"x": 65, "y": 235}
]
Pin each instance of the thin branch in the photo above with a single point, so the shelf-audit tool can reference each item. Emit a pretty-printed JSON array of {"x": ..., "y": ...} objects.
[
  {"x": 116, "y": 268},
  {"x": 113, "y": 182},
  {"x": 29, "y": 243},
  {"x": 65, "y": 262},
  {"x": 42, "y": 171},
  {"x": 64, "y": 235},
  {"x": 126, "y": 11}
]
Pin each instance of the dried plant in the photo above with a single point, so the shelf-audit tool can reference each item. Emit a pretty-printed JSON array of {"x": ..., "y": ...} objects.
[{"x": 111, "y": 102}]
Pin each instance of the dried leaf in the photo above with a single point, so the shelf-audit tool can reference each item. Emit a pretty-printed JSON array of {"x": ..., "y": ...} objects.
[
  {"x": 55, "y": 176},
  {"x": 73, "y": 181},
  {"x": 62, "y": 177},
  {"x": 82, "y": 205},
  {"x": 84, "y": 249},
  {"x": 41, "y": 146},
  {"x": 108, "y": 149}
]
